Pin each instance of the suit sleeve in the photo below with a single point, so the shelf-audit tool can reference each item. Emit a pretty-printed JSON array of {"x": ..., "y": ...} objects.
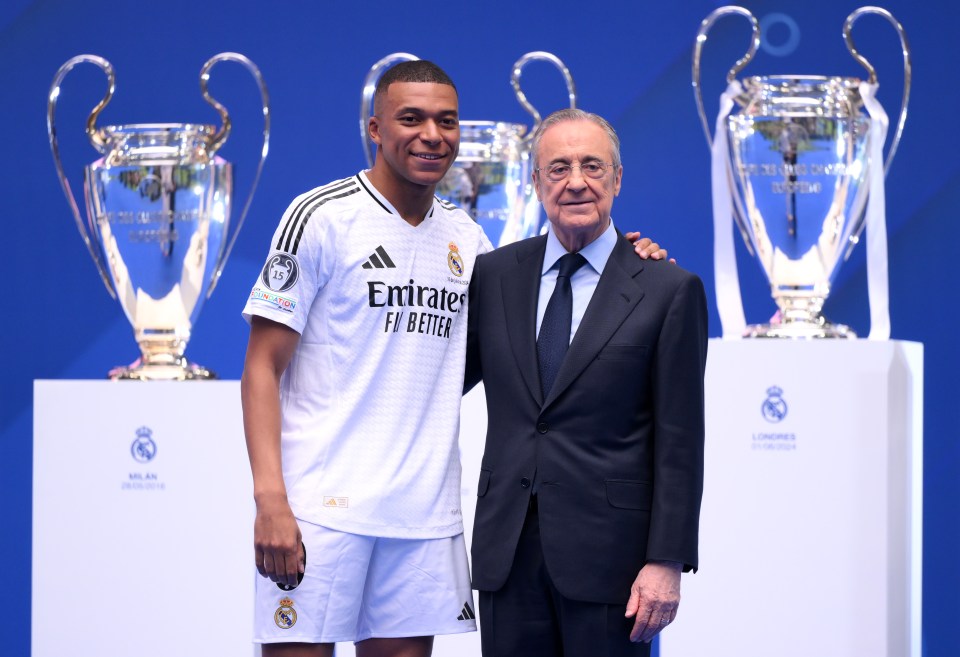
[
  {"x": 473, "y": 373},
  {"x": 678, "y": 372}
]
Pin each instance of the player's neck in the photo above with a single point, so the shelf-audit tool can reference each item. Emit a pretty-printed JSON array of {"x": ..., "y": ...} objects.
[{"x": 412, "y": 201}]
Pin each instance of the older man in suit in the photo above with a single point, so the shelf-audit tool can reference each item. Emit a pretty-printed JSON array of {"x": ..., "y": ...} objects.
[{"x": 593, "y": 362}]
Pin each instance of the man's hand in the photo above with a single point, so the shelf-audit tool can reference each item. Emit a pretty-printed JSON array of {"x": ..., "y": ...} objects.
[
  {"x": 277, "y": 541},
  {"x": 647, "y": 248},
  {"x": 654, "y": 598}
]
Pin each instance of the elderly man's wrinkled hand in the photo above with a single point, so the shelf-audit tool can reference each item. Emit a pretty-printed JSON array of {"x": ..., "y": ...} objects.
[{"x": 654, "y": 598}]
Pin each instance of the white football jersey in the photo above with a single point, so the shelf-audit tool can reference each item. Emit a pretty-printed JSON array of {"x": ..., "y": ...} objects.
[{"x": 371, "y": 399}]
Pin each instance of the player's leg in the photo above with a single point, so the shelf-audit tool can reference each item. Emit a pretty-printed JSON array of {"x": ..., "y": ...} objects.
[
  {"x": 415, "y": 589},
  {"x": 419, "y": 646},
  {"x": 297, "y": 650}
]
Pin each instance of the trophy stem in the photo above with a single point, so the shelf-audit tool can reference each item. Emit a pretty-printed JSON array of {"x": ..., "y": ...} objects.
[
  {"x": 162, "y": 359},
  {"x": 799, "y": 317}
]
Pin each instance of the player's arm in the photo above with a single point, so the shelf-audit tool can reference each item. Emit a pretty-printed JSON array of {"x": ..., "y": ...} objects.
[
  {"x": 277, "y": 540},
  {"x": 647, "y": 248}
]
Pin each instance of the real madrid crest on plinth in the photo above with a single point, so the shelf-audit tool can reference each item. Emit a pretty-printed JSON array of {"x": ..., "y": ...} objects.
[
  {"x": 491, "y": 176},
  {"x": 800, "y": 168},
  {"x": 158, "y": 208}
]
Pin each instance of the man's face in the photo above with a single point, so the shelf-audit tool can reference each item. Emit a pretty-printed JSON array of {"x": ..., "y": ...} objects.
[
  {"x": 417, "y": 129},
  {"x": 578, "y": 207}
]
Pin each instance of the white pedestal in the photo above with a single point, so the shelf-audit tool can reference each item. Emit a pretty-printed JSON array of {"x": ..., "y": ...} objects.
[
  {"x": 155, "y": 558},
  {"x": 811, "y": 521},
  {"x": 134, "y": 556},
  {"x": 810, "y": 531}
]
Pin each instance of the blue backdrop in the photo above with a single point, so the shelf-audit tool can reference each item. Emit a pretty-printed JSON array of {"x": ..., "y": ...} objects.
[{"x": 631, "y": 62}]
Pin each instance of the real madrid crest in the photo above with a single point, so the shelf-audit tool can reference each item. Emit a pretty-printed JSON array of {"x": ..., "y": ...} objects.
[
  {"x": 455, "y": 261},
  {"x": 774, "y": 408},
  {"x": 286, "y": 616},
  {"x": 143, "y": 448}
]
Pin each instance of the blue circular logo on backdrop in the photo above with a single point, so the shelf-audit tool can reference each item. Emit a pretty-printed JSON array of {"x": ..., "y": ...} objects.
[{"x": 781, "y": 21}]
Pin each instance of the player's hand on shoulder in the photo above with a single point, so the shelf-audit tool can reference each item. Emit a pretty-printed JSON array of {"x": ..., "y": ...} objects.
[{"x": 647, "y": 248}]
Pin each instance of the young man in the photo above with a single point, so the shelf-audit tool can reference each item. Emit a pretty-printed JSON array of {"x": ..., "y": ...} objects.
[
  {"x": 351, "y": 395},
  {"x": 351, "y": 392}
]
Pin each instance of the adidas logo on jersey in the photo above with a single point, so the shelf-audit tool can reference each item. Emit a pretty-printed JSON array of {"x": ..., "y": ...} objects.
[
  {"x": 466, "y": 613},
  {"x": 379, "y": 260}
]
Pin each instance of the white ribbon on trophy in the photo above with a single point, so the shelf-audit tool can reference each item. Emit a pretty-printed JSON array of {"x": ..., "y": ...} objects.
[
  {"x": 729, "y": 302},
  {"x": 878, "y": 279}
]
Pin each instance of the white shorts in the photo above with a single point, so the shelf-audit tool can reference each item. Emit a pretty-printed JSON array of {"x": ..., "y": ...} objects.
[{"x": 357, "y": 587}]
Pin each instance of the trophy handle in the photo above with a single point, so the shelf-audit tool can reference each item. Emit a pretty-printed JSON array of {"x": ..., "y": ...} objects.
[
  {"x": 539, "y": 55},
  {"x": 95, "y": 138},
  {"x": 366, "y": 98},
  {"x": 705, "y": 26},
  {"x": 907, "y": 70},
  {"x": 224, "y": 132}
]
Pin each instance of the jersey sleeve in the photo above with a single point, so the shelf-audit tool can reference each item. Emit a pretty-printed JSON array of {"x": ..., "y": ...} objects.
[
  {"x": 485, "y": 245},
  {"x": 296, "y": 269}
]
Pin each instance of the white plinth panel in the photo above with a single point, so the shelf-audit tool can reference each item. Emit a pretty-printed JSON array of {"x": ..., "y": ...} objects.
[
  {"x": 810, "y": 530},
  {"x": 811, "y": 520},
  {"x": 155, "y": 558},
  {"x": 133, "y": 556}
]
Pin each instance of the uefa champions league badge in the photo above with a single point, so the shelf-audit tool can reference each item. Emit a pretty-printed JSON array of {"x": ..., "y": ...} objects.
[
  {"x": 143, "y": 448},
  {"x": 774, "y": 409},
  {"x": 286, "y": 616},
  {"x": 455, "y": 261},
  {"x": 281, "y": 272}
]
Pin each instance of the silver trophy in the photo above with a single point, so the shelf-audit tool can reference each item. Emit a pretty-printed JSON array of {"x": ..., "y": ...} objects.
[
  {"x": 158, "y": 209},
  {"x": 803, "y": 174},
  {"x": 491, "y": 177}
]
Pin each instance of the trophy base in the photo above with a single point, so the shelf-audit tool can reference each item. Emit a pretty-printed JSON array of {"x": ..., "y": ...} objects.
[
  {"x": 800, "y": 330},
  {"x": 178, "y": 369}
]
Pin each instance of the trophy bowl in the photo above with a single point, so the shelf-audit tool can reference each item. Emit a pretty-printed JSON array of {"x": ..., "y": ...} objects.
[
  {"x": 490, "y": 180},
  {"x": 799, "y": 156},
  {"x": 800, "y": 168},
  {"x": 158, "y": 208}
]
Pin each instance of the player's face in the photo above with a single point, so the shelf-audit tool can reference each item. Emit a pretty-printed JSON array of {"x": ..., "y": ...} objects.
[
  {"x": 417, "y": 131},
  {"x": 578, "y": 206}
]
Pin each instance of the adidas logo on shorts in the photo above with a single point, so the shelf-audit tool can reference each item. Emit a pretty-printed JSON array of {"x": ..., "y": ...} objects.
[{"x": 466, "y": 613}]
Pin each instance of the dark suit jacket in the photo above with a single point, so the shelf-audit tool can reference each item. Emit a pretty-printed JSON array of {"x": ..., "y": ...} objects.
[{"x": 617, "y": 446}]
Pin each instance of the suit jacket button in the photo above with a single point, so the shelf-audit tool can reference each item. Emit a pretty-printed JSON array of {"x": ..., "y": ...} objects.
[
  {"x": 542, "y": 427},
  {"x": 524, "y": 483}
]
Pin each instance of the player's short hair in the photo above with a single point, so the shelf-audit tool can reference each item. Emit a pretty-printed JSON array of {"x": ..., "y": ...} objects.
[{"x": 419, "y": 70}]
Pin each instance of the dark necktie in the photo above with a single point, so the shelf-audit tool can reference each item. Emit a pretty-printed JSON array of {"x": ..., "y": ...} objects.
[{"x": 554, "y": 336}]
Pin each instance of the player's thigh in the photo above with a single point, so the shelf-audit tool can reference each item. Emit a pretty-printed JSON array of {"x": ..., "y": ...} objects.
[
  {"x": 417, "y": 588},
  {"x": 419, "y": 646},
  {"x": 297, "y": 650},
  {"x": 325, "y": 606}
]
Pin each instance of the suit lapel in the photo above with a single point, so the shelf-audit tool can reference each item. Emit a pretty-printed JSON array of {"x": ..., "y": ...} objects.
[
  {"x": 521, "y": 286},
  {"x": 617, "y": 294}
]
